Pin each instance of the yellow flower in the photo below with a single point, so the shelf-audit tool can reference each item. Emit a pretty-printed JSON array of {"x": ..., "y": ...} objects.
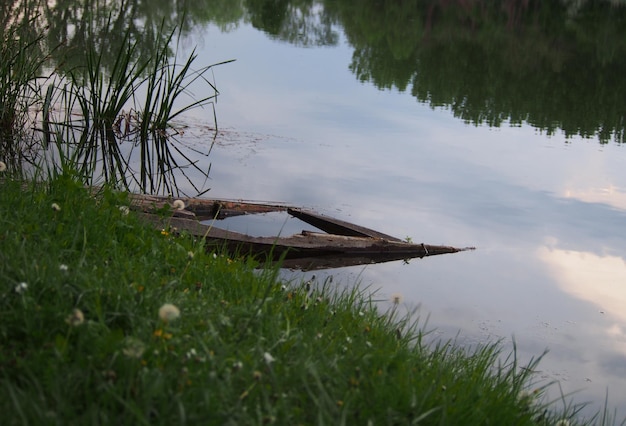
[{"x": 168, "y": 312}]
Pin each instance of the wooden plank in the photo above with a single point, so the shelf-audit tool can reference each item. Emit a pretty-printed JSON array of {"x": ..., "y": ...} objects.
[
  {"x": 336, "y": 226},
  {"x": 344, "y": 244},
  {"x": 203, "y": 209},
  {"x": 307, "y": 244}
]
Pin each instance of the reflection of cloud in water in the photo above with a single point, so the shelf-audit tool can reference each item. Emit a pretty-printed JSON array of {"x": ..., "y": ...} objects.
[
  {"x": 600, "y": 280},
  {"x": 611, "y": 195},
  {"x": 614, "y": 365}
]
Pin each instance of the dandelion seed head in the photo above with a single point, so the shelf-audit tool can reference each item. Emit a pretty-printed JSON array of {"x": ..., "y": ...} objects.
[
  {"x": 190, "y": 254},
  {"x": 76, "y": 318},
  {"x": 56, "y": 207},
  {"x": 168, "y": 312},
  {"x": 178, "y": 205},
  {"x": 3, "y": 166},
  {"x": 396, "y": 298},
  {"x": 21, "y": 288},
  {"x": 63, "y": 267}
]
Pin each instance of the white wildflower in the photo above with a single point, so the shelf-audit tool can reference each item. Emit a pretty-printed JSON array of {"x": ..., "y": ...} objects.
[
  {"x": 76, "y": 318},
  {"x": 190, "y": 255},
  {"x": 63, "y": 267},
  {"x": 56, "y": 207},
  {"x": 3, "y": 166},
  {"x": 268, "y": 358},
  {"x": 21, "y": 288},
  {"x": 133, "y": 347},
  {"x": 178, "y": 205},
  {"x": 168, "y": 312},
  {"x": 124, "y": 210},
  {"x": 562, "y": 422}
]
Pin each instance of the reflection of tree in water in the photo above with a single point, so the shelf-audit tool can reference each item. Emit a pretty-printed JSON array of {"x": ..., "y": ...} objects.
[
  {"x": 552, "y": 64},
  {"x": 80, "y": 25},
  {"x": 539, "y": 62},
  {"x": 300, "y": 22}
]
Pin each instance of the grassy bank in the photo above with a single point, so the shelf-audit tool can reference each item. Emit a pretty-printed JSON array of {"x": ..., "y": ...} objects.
[{"x": 104, "y": 320}]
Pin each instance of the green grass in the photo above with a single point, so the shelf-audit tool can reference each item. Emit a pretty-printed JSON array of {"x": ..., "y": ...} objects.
[{"x": 246, "y": 349}]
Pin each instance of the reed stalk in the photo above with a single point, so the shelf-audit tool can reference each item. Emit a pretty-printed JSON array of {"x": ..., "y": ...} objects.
[
  {"x": 21, "y": 58},
  {"x": 109, "y": 122}
]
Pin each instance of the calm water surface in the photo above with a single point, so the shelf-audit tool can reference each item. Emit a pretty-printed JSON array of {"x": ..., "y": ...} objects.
[{"x": 546, "y": 213}]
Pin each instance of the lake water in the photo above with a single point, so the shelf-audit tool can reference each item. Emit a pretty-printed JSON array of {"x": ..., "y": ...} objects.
[
  {"x": 546, "y": 213},
  {"x": 312, "y": 115}
]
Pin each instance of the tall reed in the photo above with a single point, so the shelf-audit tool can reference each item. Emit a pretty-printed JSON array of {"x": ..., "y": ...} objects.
[
  {"x": 21, "y": 58},
  {"x": 110, "y": 122}
]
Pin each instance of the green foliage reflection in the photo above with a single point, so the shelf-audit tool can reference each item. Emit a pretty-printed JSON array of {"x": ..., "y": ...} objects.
[
  {"x": 554, "y": 64},
  {"x": 538, "y": 62}
]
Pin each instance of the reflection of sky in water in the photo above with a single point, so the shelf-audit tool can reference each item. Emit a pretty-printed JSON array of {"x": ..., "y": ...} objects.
[{"x": 547, "y": 217}]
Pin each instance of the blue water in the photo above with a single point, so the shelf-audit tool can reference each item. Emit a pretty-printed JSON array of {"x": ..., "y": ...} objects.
[{"x": 546, "y": 214}]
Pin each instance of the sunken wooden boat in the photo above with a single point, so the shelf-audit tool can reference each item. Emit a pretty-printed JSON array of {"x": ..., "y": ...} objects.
[{"x": 339, "y": 243}]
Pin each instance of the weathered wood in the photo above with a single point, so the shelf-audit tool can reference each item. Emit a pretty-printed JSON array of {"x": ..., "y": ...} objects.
[
  {"x": 343, "y": 244},
  {"x": 204, "y": 209},
  {"x": 308, "y": 250},
  {"x": 336, "y": 226}
]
